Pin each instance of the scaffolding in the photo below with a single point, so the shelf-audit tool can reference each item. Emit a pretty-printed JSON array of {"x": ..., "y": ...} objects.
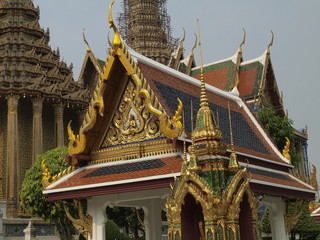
[{"x": 145, "y": 25}]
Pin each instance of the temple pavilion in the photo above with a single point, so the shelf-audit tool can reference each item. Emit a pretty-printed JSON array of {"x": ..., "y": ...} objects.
[{"x": 159, "y": 137}]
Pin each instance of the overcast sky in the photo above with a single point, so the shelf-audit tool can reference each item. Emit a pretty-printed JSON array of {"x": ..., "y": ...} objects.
[{"x": 295, "y": 53}]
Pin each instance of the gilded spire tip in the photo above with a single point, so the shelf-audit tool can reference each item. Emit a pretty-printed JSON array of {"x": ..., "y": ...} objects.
[
  {"x": 203, "y": 97},
  {"x": 243, "y": 40},
  {"x": 85, "y": 40},
  {"x": 116, "y": 38},
  {"x": 271, "y": 42}
]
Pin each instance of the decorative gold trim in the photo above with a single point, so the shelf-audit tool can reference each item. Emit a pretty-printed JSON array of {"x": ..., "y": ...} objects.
[
  {"x": 48, "y": 179},
  {"x": 132, "y": 151},
  {"x": 291, "y": 219},
  {"x": 286, "y": 149},
  {"x": 313, "y": 178},
  {"x": 84, "y": 223},
  {"x": 46, "y": 175},
  {"x": 116, "y": 39}
]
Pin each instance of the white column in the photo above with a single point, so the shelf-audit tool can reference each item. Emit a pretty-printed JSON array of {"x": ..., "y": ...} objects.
[
  {"x": 277, "y": 211},
  {"x": 152, "y": 218},
  {"x": 97, "y": 210}
]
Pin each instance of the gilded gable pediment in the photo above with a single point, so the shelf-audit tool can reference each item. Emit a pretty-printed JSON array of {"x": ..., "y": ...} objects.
[{"x": 132, "y": 121}]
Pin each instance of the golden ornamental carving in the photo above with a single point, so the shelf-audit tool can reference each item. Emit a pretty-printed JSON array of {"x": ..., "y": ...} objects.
[
  {"x": 84, "y": 223},
  {"x": 286, "y": 149},
  {"x": 313, "y": 178},
  {"x": 291, "y": 218},
  {"x": 116, "y": 39},
  {"x": 312, "y": 206},
  {"x": 220, "y": 211},
  {"x": 171, "y": 128},
  {"x": 132, "y": 121},
  {"x": 46, "y": 175},
  {"x": 48, "y": 178}
]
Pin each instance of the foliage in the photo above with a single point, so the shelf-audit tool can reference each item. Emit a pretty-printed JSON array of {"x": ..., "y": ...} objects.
[
  {"x": 308, "y": 228},
  {"x": 32, "y": 199},
  {"x": 126, "y": 218},
  {"x": 113, "y": 232},
  {"x": 279, "y": 128}
]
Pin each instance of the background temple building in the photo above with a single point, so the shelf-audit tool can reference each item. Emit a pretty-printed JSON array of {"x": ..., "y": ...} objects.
[{"x": 38, "y": 97}]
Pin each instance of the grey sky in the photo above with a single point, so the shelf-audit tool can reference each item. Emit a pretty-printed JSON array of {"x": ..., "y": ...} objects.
[{"x": 295, "y": 53}]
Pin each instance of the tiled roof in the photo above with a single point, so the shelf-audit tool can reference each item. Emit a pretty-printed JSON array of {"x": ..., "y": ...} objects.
[
  {"x": 250, "y": 78},
  {"x": 243, "y": 134},
  {"x": 127, "y": 170},
  {"x": 121, "y": 174},
  {"x": 246, "y": 135},
  {"x": 219, "y": 75}
]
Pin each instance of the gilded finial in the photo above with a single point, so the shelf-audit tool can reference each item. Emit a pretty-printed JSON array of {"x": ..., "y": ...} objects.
[
  {"x": 233, "y": 163},
  {"x": 237, "y": 77},
  {"x": 206, "y": 136},
  {"x": 243, "y": 40},
  {"x": 184, "y": 135},
  {"x": 85, "y": 41},
  {"x": 203, "y": 97},
  {"x": 183, "y": 37},
  {"x": 109, "y": 41},
  {"x": 195, "y": 43},
  {"x": 271, "y": 42},
  {"x": 116, "y": 39},
  {"x": 286, "y": 149}
]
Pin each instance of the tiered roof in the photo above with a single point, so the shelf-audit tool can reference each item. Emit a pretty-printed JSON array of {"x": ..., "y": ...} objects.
[{"x": 29, "y": 66}]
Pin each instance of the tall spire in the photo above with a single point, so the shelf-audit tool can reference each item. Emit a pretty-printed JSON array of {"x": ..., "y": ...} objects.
[
  {"x": 203, "y": 96},
  {"x": 206, "y": 135},
  {"x": 145, "y": 25}
]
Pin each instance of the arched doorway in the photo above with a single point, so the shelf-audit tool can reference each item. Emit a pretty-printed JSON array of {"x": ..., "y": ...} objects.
[
  {"x": 245, "y": 220},
  {"x": 191, "y": 219}
]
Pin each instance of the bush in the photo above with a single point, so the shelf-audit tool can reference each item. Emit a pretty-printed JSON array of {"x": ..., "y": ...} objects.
[{"x": 113, "y": 232}]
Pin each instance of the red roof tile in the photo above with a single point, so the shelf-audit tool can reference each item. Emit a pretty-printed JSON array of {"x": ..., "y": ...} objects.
[{"x": 171, "y": 165}]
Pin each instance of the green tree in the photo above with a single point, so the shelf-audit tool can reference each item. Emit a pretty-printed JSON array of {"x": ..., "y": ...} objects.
[
  {"x": 35, "y": 203},
  {"x": 306, "y": 226},
  {"x": 127, "y": 218},
  {"x": 113, "y": 232},
  {"x": 279, "y": 128}
]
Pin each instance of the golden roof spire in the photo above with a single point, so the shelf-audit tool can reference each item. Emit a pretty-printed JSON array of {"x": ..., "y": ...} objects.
[
  {"x": 237, "y": 78},
  {"x": 271, "y": 42},
  {"x": 243, "y": 41},
  {"x": 233, "y": 163},
  {"x": 85, "y": 41},
  {"x": 116, "y": 39},
  {"x": 206, "y": 136},
  {"x": 203, "y": 96}
]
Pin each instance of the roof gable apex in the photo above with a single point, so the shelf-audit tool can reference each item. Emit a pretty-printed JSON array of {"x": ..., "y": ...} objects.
[{"x": 119, "y": 69}]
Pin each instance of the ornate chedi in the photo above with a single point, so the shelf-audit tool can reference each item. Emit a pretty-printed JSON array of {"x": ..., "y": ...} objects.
[
  {"x": 212, "y": 199},
  {"x": 37, "y": 96},
  {"x": 145, "y": 26}
]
